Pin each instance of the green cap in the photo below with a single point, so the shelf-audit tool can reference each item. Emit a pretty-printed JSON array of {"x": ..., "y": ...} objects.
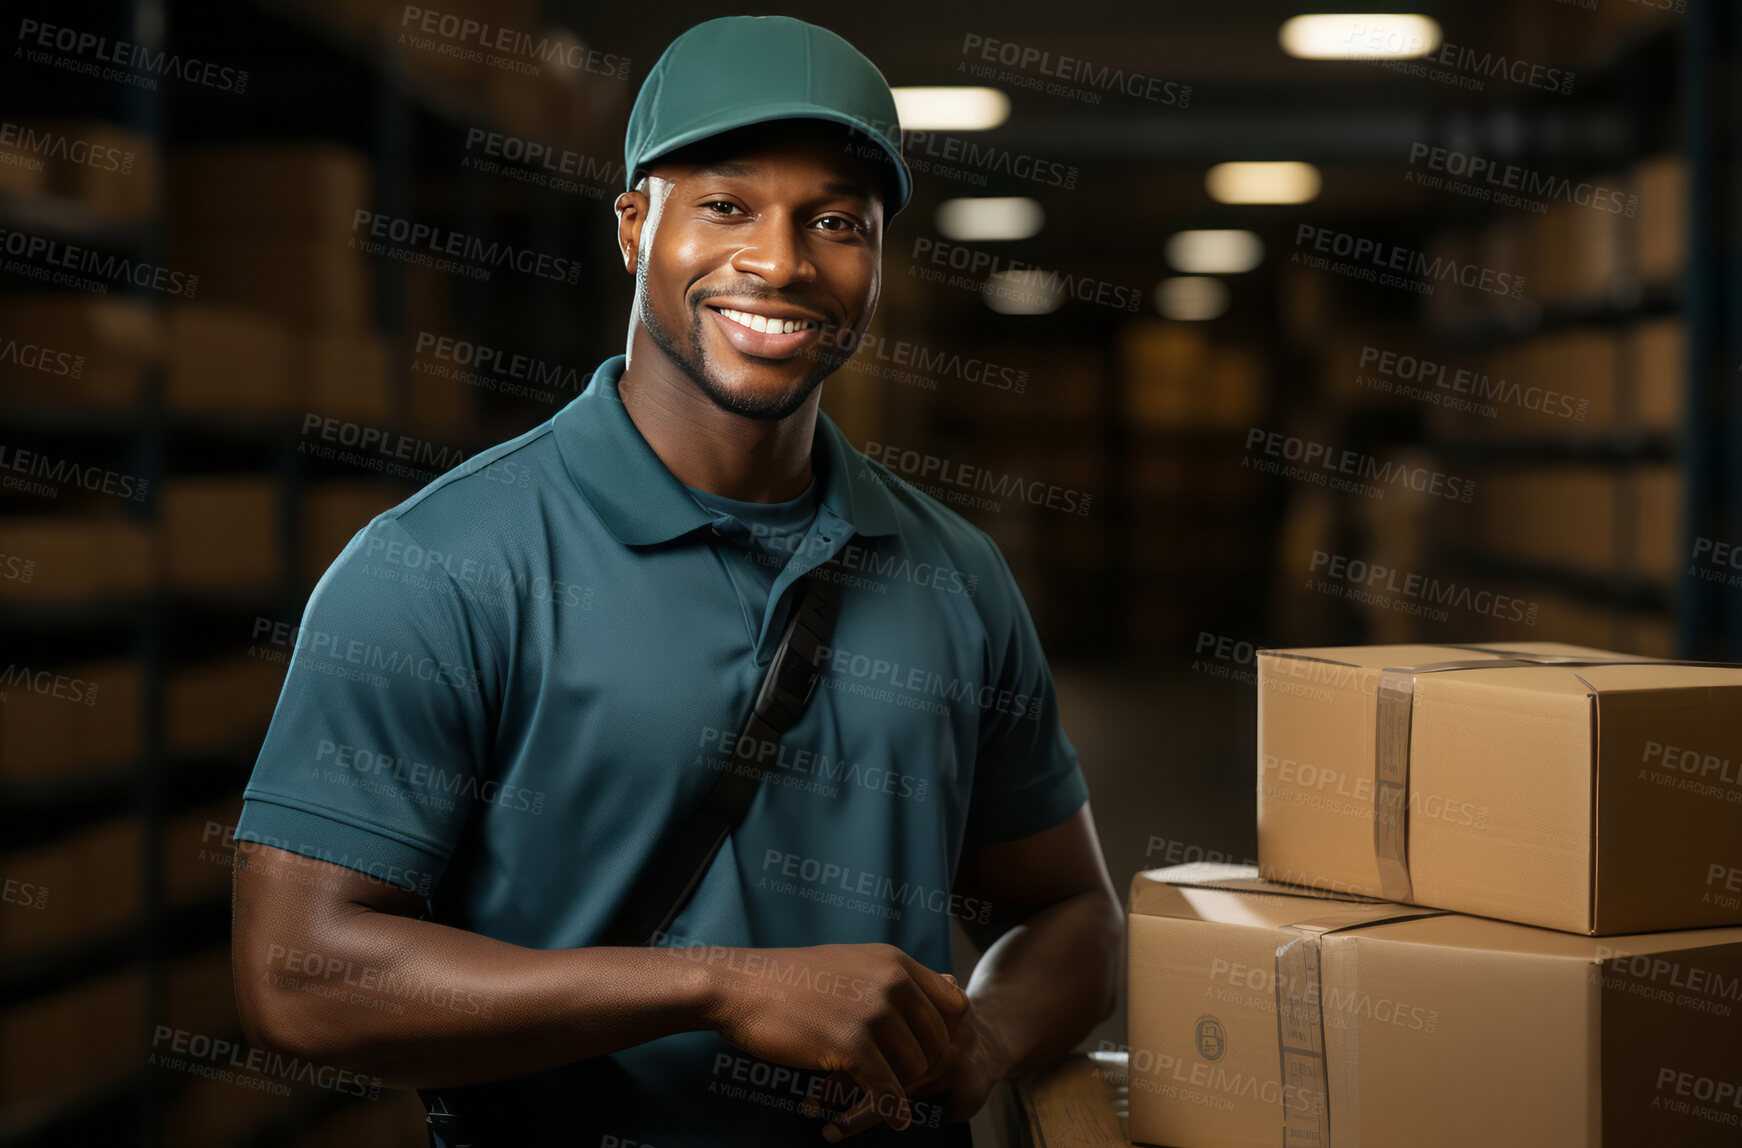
[{"x": 733, "y": 71}]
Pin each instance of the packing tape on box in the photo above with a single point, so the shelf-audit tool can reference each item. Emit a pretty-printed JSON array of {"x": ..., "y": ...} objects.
[
  {"x": 1300, "y": 1027},
  {"x": 1395, "y": 714}
]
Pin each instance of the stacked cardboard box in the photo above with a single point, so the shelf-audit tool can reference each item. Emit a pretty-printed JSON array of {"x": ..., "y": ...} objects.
[{"x": 1497, "y": 901}]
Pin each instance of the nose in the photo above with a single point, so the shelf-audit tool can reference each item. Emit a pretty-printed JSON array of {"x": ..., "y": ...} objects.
[{"x": 776, "y": 252}]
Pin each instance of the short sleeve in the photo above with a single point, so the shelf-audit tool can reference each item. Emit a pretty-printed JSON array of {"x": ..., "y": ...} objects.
[
  {"x": 379, "y": 742},
  {"x": 1026, "y": 775}
]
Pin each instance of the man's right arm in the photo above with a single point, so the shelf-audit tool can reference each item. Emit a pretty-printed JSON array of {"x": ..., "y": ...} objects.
[{"x": 332, "y": 966}]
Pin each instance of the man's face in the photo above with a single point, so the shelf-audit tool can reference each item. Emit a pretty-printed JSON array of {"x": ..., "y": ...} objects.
[{"x": 784, "y": 233}]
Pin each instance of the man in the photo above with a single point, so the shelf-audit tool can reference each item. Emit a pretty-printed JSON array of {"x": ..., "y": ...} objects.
[{"x": 509, "y": 690}]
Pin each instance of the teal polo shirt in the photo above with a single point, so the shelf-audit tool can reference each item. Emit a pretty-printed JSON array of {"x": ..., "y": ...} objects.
[{"x": 507, "y": 690}]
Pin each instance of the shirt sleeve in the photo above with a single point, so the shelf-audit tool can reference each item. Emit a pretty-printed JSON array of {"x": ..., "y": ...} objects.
[
  {"x": 379, "y": 742},
  {"x": 1026, "y": 775}
]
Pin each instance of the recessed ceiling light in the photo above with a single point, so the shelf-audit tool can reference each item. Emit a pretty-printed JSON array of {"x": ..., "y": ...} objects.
[
  {"x": 1026, "y": 292},
  {"x": 1285, "y": 182},
  {"x": 1008, "y": 217},
  {"x": 1191, "y": 298},
  {"x": 952, "y": 109},
  {"x": 1360, "y": 36},
  {"x": 1226, "y": 252}
]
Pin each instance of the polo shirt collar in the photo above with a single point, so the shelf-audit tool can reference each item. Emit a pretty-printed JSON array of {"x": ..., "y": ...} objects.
[{"x": 642, "y": 503}]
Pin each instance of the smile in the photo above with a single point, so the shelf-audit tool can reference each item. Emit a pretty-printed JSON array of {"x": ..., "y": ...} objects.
[{"x": 762, "y": 336}]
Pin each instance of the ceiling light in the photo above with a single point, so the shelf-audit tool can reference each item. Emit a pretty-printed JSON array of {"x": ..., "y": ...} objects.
[
  {"x": 1287, "y": 182},
  {"x": 1191, "y": 298},
  {"x": 1214, "y": 252},
  {"x": 1360, "y": 36},
  {"x": 955, "y": 109},
  {"x": 1026, "y": 292},
  {"x": 1009, "y": 217}
]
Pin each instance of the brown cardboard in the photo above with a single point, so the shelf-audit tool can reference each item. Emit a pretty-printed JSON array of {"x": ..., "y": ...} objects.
[
  {"x": 222, "y": 358},
  {"x": 221, "y": 533},
  {"x": 1592, "y": 798},
  {"x": 70, "y": 721},
  {"x": 76, "y": 350},
  {"x": 1437, "y": 1031},
  {"x": 67, "y": 560},
  {"x": 304, "y": 190},
  {"x": 221, "y": 706},
  {"x": 310, "y": 282},
  {"x": 332, "y": 512}
]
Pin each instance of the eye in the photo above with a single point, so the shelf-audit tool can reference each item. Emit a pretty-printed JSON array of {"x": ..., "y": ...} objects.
[
  {"x": 851, "y": 225},
  {"x": 720, "y": 203}
]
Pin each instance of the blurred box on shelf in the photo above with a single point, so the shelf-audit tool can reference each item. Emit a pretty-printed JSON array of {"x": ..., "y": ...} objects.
[
  {"x": 1558, "y": 516},
  {"x": 1662, "y": 185},
  {"x": 1173, "y": 378},
  {"x": 197, "y": 851},
  {"x": 220, "y": 533},
  {"x": 256, "y": 193},
  {"x": 82, "y": 887},
  {"x": 22, "y": 170},
  {"x": 1265, "y": 1014},
  {"x": 333, "y": 512},
  {"x": 1578, "y": 252},
  {"x": 313, "y": 282},
  {"x": 70, "y": 721},
  {"x": 226, "y": 359},
  {"x": 109, "y": 170},
  {"x": 1655, "y": 494},
  {"x": 368, "y": 19},
  {"x": 64, "y": 1046},
  {"x": 199, "y": 994},
  {"x": 1462, "y": 778},
  {"x": 1553, "y": 386},
  {"x": 221, "y": 706},
  {"x": 76, "y": 349},
  {"x": 342, "y": 374},
  {"x": 1655, "y": 351},
  {"x": 66, "y": 561}
]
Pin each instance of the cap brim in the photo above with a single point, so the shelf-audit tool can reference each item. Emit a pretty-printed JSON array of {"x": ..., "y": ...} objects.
[{"x": 768, "y": 113}]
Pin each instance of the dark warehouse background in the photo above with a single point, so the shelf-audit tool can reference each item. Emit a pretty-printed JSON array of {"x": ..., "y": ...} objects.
[{"x": 184, "y": 457}]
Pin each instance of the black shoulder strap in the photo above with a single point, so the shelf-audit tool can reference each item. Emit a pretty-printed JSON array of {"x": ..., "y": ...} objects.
[{"x": 672, "y": 874}]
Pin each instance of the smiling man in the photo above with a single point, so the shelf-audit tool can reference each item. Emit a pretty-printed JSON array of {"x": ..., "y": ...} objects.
[{"x": 512, "y": 691}]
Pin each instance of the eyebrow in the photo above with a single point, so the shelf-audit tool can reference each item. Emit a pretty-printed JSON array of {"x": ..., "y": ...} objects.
[{"x": 733, "y": 169}]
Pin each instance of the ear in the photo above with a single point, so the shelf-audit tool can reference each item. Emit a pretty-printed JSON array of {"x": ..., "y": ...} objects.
[{"x": 631, "y": 208}]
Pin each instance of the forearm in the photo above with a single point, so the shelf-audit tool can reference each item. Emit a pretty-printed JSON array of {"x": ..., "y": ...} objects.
[
  {"x": 420, "y": 1004},
  {"x": 1043, "y": 985}
]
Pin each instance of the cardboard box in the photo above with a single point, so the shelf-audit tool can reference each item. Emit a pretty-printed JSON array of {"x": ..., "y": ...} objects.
[
  {"x": 67, "y": 560},
  {"x": 310, "y": 282},
  {"x": 1655, "y": 495},
  {"x": 343, "y": 374},
  {"x": 108, "y": 169},
  {"x": 60, "y": 1047},
  {"x": 1662, "y": 186},
  {"x": 226, "y": 359},
  {"x": 221, "y": 706},
  {"x": 81, "y": 888},
  {"x": 77, "y": 350},
  {"x": 1262, "y": 1014},
  {"x": 1656, "y": 351},
  {"x": 309, "y": 191},
  {"x": 1595, "y": 798},
  {"x": 70, "y": 721},
  {"x": 1564, "y": 516},
  {"x": 221, "y": 533}
]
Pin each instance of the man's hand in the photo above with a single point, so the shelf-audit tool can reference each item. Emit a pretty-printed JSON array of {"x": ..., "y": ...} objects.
[
  {"x": 961, "y": 1081},
  {"x": 870, "y": 1014}
]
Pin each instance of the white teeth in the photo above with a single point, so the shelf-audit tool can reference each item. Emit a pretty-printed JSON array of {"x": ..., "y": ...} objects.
[{"x": 766, "y": 325}]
